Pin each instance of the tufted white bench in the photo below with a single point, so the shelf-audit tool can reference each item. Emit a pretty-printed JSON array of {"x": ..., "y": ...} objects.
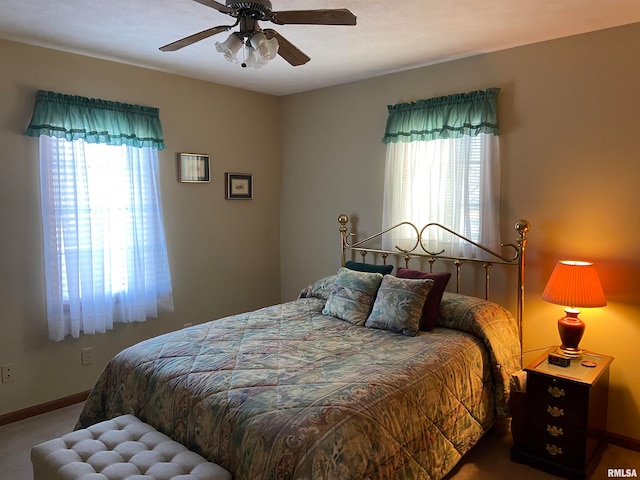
[{"x": 119, "y": 449}]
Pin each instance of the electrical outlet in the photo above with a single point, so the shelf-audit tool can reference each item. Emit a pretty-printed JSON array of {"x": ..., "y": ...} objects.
[
  {"x": 8, "y": 373},
  {"x": 87, "y": 356}
]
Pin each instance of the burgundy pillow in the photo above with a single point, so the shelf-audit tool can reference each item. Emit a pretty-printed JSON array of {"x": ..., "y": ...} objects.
[{"x": 431, "y": 306}]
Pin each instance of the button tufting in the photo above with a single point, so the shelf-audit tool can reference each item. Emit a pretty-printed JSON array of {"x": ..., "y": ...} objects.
[{"x": 120, "y": 449}]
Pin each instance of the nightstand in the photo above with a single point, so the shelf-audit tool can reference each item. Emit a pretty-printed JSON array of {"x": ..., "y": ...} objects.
[{"x": 563, "y": 416}]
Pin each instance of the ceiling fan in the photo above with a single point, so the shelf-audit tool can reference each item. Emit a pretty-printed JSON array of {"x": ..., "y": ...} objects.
[{"x": 261, "y": 45}]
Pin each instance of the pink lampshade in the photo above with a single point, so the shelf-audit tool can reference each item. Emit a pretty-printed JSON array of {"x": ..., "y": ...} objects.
[{"x": 574, "y": 284}]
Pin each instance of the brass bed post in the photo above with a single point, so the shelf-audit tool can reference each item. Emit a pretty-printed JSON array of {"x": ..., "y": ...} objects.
[
  {"x": 343, "y": 220},
  {"x": 522, "y": 227}
]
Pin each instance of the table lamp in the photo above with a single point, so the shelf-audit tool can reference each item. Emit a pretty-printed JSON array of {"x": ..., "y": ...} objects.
[{"x": 575, "y": 285}]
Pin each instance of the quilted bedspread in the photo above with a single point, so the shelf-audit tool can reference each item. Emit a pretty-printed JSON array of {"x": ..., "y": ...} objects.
[{"x": 287, "y": 393}]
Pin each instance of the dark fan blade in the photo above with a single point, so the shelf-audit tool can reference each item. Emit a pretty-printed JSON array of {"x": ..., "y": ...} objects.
[
  {"x": 218, "y": 6},
  {"x": 286, "y": 49},
  {"x": 340, "y": 16},
  {"x": 196, "y": 37}
]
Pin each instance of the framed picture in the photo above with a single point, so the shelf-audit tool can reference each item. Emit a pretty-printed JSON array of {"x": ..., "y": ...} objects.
[
  {"x": 238, "y": 186},
  {"x": 193, "y": 168}
]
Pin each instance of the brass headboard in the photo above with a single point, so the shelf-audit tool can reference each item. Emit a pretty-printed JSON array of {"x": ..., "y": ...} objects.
[{"x": 516, "y": 259}]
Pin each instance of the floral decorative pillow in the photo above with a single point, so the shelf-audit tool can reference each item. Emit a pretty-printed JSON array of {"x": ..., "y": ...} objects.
[
  {"x": 352, "y": 295},
  {"x": 398, "y": 305},
  {"x": 432, "y": 305},
  {"x": 320, "y": 289}
]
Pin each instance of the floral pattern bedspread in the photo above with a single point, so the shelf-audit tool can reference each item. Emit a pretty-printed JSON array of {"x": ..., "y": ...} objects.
[{"x": 287, "y": 393}]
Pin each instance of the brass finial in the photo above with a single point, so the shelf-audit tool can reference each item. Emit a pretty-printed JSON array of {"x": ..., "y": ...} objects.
[{"x": 522, "y": 226}]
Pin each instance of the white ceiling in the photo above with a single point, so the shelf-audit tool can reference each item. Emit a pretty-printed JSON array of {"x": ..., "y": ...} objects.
[{"x": 391, "y": 35}]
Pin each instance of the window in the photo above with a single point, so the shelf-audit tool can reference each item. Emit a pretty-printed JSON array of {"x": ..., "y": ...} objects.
[
  {"x": 442, "y": 166},
  {"x": 104, "y": 246}
]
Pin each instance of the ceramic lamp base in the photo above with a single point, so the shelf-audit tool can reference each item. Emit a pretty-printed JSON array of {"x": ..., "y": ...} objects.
[{"x": 571, "y": 329}]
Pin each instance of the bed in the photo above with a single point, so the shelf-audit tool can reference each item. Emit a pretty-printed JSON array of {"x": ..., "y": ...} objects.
[{"x": 291, "y": 391}]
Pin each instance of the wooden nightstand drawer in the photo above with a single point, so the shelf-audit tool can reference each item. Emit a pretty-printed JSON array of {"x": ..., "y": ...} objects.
[
  {"x": 558, "y": 412},
  {"x": 557, "y": 390},
  {"x": 550, "y": 431},
  {"x": 565, "y": 453}
]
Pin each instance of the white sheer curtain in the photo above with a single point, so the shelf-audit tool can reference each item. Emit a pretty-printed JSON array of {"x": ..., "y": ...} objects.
[
  {"x": 454, "y": 182},
  {"x": 104, "y": 245}
]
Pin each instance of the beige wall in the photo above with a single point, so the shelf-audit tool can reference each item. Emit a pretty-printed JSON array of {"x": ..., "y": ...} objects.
[
  {"x": 224, "y": 255},
  {"x": 568, "y": 115}
]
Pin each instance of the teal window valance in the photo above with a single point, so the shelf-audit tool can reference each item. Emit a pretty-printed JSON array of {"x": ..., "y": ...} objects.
[
  {"x": 451, "y": 116},
  {"x": 95, "y": 121}
]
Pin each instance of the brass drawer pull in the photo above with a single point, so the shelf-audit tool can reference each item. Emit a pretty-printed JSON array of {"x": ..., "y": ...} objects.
[
  {"x": 556, "y": 392},
  {"x": 555, "y": 431},
  {"x": 553, "y": 450},
  {"x": 555, "y": 411}
]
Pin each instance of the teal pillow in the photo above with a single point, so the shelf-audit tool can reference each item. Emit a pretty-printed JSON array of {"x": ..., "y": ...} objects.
[
  {"x": 398, "y": 305},
  {"x": 369, "y": 267},
  {"x": 352, "y": 295}
]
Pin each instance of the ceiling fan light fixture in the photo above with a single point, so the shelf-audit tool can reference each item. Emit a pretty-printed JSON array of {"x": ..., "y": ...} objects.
[
  {"x": 230, "y": 47},
  {"x": 261, "y": 46},
  {"x": 252, "y": 58},
  {"x": 266, "y": 49}
]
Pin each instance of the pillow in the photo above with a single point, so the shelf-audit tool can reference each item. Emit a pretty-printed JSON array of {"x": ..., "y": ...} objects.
[
  {"x": 398, "y": 305},
  {"x": 319, "y": 289},
  {"x": 368, "y": 267},
  {"x": 352, "y": 295},
  {"x": 432, "y": 305}
]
